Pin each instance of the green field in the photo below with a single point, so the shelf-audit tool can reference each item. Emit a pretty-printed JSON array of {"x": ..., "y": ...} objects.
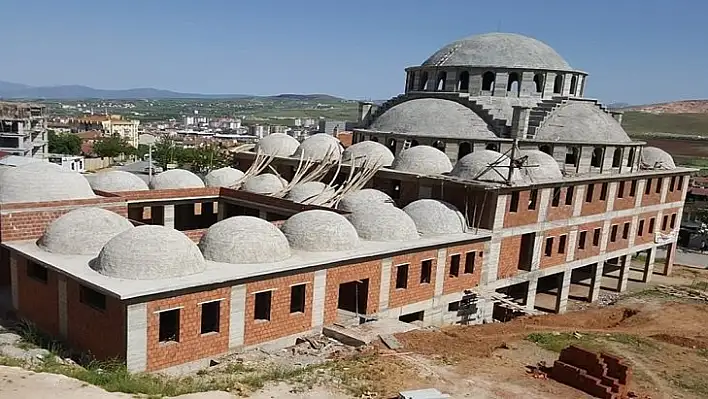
[{"x": 642, "y": 123}]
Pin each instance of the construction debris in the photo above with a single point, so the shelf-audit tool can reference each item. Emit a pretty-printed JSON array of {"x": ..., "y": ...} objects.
[
  {"x": 390, "y": 341},
  {"x": 598, "y": 374},
  {"x": 683, "y": 292}
]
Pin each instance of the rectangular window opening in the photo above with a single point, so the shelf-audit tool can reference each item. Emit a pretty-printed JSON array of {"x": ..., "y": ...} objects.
[
  {"x": 561, "y": 243},
  {"x": 469, "y": 262},
  {"x": 533, "y": 197},
  {"x": 262, "y": 305},
  {"x": 37, "y": 272},
  {"x": 640, "y": 229},
  {"x": 426, "y": 271},
  {"x": 589, "y": 193},
  {"x": 402, "y": 276},
  {"x": 455, "y": 265},
  {"x": 672, "y": 184},
  {"x": 620, "y": 190},
  {"x": 453, "y": 306},
  {"x": 603, "y": 192},
  {"x": 613, "y": 233},
  {"x": 569, "y": 195},
  {"x": 647, "y": 188},
  {"x": 211, "y": 317},
  {"x": 169, "y": 326},
  {"x": 582, "y": 237},
  {"x": 596, "y": 237},
  {"x": 625, "y": 231},
  {"x": 659, "y": 183},
  {"x": 556, "y": 197},
  {"x": 664, "y": 222},
  {"x": 92, "y": 298},
  {"x": 297, "y": 298},
  {"x": 673, "y": 221},
  {"x": 633, "y": 188},
  {"x": 680, "y": 183},
  {"x": 651, "y": 225},
  {"x": 514, "y": 204},
  {"x": 548, "y": 251}
]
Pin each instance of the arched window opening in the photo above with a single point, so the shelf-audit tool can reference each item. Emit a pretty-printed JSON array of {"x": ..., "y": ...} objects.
[
  {"x": 573, "y": 84},
  {"x": 392, "y": 145},
  {"x": 414, "y": 143},
  {"x": 546, "y": 148},
  {"x": 513, "y": 85},
  {"x": 463, "y": 83},
  {"x": 464, "y": 149},
  {"x": 440, "y": 86},
  {"x": 374, "y": 139},
  {"x": 439, "y": 145},
  {"x": 558, "y": 84},
  {"x": 488, "y": 81},
  {"x": 493, "y": 147},
  {"x": 630, "y": 158},
  {"x": 597, "y": 155},
  {"x": 423, "y": 83},
  {"x": 538, "y": 82},
  {"x": 617, "y": 158},
  {"x": 572, "y": 154}
]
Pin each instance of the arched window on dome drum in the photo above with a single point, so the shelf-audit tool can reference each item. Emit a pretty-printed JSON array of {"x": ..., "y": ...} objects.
[
  {"x": 414, "y": 143},
  {"x": 493, "y": 147},
  {"x": 597, "y": 156},
  {"x": 572, "y": 155},
  {"x": 392, "y": 145},
  {"x": 439, "y": 145},
  {"x": 558, "y": 84},
  {"x": 488, "y": 81},
  {"x": 374, "y": 139},
  {"x": 423, "y": 83},
  {"x": 514, "y": 83},
  {"x": 617, "y": 158},
  {"x": 440, "y": 85},
  {"x": 463, "y": 82},
  {"x": 538, "y": 82},
  {"x": 630, "y": 158},
  {"x": 546, "y": 148},
  {"x": 573, "y": 84},
  {"x": 464, "y": 149}
]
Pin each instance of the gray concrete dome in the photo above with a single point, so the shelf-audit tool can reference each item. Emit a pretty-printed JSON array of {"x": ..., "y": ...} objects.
[
  {"x": 539, "y": 167},
  {"x": 581, "y": 122},
  {"x": 371, "y": 151},
  {"x": 383, "y": 223},
  {"x": 266, "y": 183},
  {"x": 223, "y": 177},
  {"x": 40, "y": 183},
  {"x": 244, "y": 239},
  {"x": 313, "y": 190},
  {"x": 149, "y": 252},
  {"x": 422, "y": 160},
  {"x": 320, "y": 231},
  {"x": 116, "y": 181},
  {"x": 435, "y": 217},
  {"x": 364, "y": 197},
  {"x": 506, "y": 50},
  {"x": 278, "y": 144},
  {"x": 656, "y": 158},
  {"x": 83, "y": 231},
  {"x": 433, "y": 117},
  {"x": 478, "y": 166},
  {"x": 175, "y": 178},
  {"x": 317, "y": 147}
]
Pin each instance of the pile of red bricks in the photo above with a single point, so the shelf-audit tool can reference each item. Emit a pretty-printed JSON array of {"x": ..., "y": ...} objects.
[{"x": 598, "y": 374}]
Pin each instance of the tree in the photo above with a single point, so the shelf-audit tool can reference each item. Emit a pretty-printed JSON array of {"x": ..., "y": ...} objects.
[
  {"x": 64, "y": 143},
  {"x": 112, "y": 147},
  {"x": 198, "y": 160}
]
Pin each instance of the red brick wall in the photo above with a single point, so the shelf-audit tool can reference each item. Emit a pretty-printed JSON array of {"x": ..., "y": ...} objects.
[
  {"x": 620, "y": 242},
  {"x": 589, "y": 250},
  {"x": 347, "y": 273},
  {"x": 282, "y": 323},
  {"x": 509, "y": 257},
  {"x": 596, "y": 205},
  {"x": 627, "y": 201},
  {"x": 653, "y": 197},
  {"x": 523, "y": 215},
  {"x": 676, "y": 194},
  {"x": 556, "y": 258},
  {"x": 668, "y": 213},
  {"x": 37, "y": 301},
  {"x": 562, "y": 211},
  {"x": 464, "y": 281},
  {"x": 646, "y": 237},
  {"x": 102, "y": 332},
  {"x": 415, "y": 291},
  {"x": 170, "y": 193},
  {"x": 192, "y": 345},
  {"x": 195, "y": 235}
]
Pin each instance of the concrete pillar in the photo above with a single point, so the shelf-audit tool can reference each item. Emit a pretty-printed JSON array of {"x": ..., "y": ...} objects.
[
  {"x": 169, "y": 216},
  {"x": 237, "y": 318},
  {"x": 318, "y": 299},
  {"x": 13, "y": 283},
  {"x": 384, "y": 290},
  {"x": 596, "y": 281},
  {"x": 440, "y": 264},
  {"x": 670, "y": 256},
  {"x": 220, "y": 211},
  {"x": 520, "y": 122},
  {"x": 625, "y": 262},
  {"x": 63, "y": 311},
  {"x": 563, "y": 291},
  {"x": 531, "y": 294},
  {"x": 136, "y": 342},
  {"x": 365, "y": 109},
  {"x": 649, "y": 265}
]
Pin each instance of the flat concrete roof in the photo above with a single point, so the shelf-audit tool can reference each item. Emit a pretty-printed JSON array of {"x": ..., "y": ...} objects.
[{"x": 77, "y": 266}]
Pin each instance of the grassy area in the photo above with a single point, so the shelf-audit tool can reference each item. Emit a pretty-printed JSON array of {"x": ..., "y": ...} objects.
[{"x": 639, "y": 123}]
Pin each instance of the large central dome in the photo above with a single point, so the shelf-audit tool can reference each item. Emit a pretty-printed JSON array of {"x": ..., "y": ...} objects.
[{"x": 506, "y": 50}]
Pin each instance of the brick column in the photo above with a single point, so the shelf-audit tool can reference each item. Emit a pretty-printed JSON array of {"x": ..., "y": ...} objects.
[
  {"x": 624, "y": 273},
  {"x": 136, "y": 343},
  {"x": 531, "y": 294},
  {"x": 237, "y": 318},
  {"x": 596, "y": 281},
  {"x": 649, "y": 265},
  {"x": 563, "y": 291}
]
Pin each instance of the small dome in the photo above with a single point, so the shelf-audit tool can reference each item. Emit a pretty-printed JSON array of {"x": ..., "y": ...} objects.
[
  {"x": 244, "y": 239},
  {"x": 175, "y": 178},
  {"x": 422, "y": 160},
  {"x": 539, "y": 167},
  {"x": 278, "y": 144},
  {"x": 485, "y": 165},
  {"x": 656, "y": 158},
  {"x": 581, "y": 122},
  {"x": 365, "y": 197},
  {"x": 375, "y": 153},
  {"x": 266, "y": 183},
  {"x": 434, "y": 217},
  {"x": 320, "y": 231},
  {"x": 149, "y": 252},
  {"x": 40, "y": 182},
  {"x": 115, "y": 181},
  {"x": 224, "y": 177},
  {"x": 83, "y": 231},
  {"x": 318, "y": 146},
  {"x": 383, "y": 223},
  {"x": 313, "y": 192}
]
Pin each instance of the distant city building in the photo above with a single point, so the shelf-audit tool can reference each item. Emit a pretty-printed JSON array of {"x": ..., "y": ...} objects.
[
  {"x": 258, "y": 130},
  {"x": 74, "y": 163},
  {"x": 23, "y": 129},
  {"x": 332, "y": 127}
]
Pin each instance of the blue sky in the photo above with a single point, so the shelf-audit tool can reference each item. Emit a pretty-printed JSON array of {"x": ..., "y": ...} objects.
[{"x": 636, "y": 51}]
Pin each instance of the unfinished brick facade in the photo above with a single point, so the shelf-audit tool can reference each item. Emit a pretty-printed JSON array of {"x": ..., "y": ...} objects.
[
  {"x": 417, "y": 287},
  {"x": 38, "y": 295},
  {"x": 469, "y": 271}
]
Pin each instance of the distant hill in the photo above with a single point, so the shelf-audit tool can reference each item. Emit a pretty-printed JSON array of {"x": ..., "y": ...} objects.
[
  {"x": 307, "y": 97},
  {"x": 675, "y": 107}
]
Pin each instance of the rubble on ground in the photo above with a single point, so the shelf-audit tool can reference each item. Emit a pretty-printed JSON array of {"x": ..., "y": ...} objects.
[{"x": 683, "y": 292}]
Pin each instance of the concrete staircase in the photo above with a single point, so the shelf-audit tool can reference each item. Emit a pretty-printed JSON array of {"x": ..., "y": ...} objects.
[
  {"x": 539, "y": 113},
  {"x": 499, "y": 125}
]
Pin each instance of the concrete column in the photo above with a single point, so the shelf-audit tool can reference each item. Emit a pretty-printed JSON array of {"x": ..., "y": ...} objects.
[
  {"x": 13, "y": 283},
  {"x": 440, "y": 264},
  {"x": 520, "y": 122},
  {"x": 563, "y": 291},
  {"x": 670, "y": 256},
  {"x": 664, "y": 188},
  {"x": 136, "y": 343},
  {"x": 537, "y": 250},
  {"x": 499, "y": 212},
  {"x": 531, "y": 294},
  {"x": 500, "y": 82},
  {"x": 649, "y": 265},
  {"x": 544, "y": 199},
  {"x": 385, "y": 289},
  {"x": 490, "y": 262},
  {"x": 571, "y": 244},
  {"x": 633, "y": 227},
  {"x": 169, "y": 216},
  {"x": 641, "y": 184},
  {"x": 625, "y": 262},
  {"x": 63, "y": 312},
  {"x": 579, "y": 199},
  {"x": 237, "y": 318},
  {"x": 611, "y": 195},
  {"x": 596, "y": 281},
  {"x": 318, "y": 299},
  {"x": 220, "y": 211}
]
